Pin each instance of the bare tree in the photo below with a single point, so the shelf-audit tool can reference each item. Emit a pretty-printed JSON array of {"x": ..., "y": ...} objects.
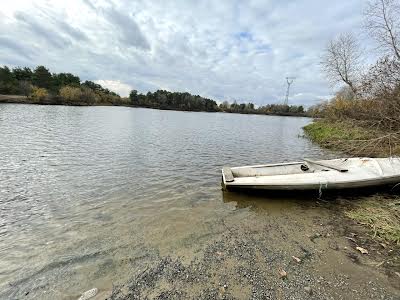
[
  {"x": 382, "y": 79},
  {"x": 382, "y": 19},
  {"x": 341, "y": 61}
]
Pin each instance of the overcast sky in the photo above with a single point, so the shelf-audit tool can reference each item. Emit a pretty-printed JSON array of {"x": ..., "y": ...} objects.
[{"x": 225, "y": 50}]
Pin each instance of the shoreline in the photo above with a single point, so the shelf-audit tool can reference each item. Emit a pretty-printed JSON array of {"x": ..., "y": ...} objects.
[
  {"x": 16, "y": 99},
  {"x": 378, "y": 215},
  {"x": 264, "y": 258}
]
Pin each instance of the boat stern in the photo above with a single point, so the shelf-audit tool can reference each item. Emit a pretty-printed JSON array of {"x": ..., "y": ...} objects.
[{"x": 227, "y": 177}]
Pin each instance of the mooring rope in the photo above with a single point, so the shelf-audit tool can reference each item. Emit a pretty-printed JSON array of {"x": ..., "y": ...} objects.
[{"x": 320, "y": 189}]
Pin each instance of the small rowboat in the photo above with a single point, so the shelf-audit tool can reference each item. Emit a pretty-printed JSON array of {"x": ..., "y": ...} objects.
[{"x": 335, "y": 174}]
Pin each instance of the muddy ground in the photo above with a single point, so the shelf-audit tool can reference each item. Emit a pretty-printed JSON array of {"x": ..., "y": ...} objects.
[{"x": 306, "y": 252}]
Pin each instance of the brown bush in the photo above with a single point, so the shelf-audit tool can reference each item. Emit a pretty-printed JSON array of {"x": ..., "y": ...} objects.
[
  {"x": 71, "y": 94},
  {"x": 89, "y": 96},
  {"x": 39, "y": 94},
  {"x": 377, "y": 102}
]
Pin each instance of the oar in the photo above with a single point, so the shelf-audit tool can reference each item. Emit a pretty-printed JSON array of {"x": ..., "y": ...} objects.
[{"x": 326, "y": 165}]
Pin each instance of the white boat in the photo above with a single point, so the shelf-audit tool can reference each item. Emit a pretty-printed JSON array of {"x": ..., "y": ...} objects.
[{"x": 319, "y": 175}]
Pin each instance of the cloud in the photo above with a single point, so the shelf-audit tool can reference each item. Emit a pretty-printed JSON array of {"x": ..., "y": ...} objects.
[
  {"x": 89, "y": 4},
  {"x": 74, "y": 33},
  {"x": 126, "y": 27},
  {"x": 16, "y": 47},
  {"x": 117, "y": 86},
  {"x": 39, "y": 30},
  {"x": 225, "y": 50}
]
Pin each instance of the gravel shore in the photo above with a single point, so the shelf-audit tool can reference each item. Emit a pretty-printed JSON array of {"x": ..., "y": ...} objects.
[{"x": 303, "y": 256}]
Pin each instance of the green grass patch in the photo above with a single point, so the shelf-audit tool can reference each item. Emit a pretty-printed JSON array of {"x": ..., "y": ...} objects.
[
  {"x": 381, "y": 215},
  {"x": 352, "y": 137},
  {"x": 323, "y": 131}
]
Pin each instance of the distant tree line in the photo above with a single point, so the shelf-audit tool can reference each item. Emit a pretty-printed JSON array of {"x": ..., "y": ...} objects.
[
  {"x": 162, "y": 99},
  {"x": 269, "y": 109},
  {"x": 173, "y": 100},
  {"x": 41, "y": 86}
]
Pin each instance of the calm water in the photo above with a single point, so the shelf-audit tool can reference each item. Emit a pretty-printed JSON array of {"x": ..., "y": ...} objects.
[{"x": 89, "y": 194}]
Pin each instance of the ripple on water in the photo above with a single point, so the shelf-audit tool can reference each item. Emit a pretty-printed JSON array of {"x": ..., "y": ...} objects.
[{"x": 86, "y": 188}]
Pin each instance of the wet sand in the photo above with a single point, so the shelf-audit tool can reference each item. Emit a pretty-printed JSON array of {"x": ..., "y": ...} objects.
[{"x": 246, "y": 260}]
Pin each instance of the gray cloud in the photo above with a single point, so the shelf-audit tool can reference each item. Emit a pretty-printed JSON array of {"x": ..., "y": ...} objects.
[
  {"x": 16, "y": 47},
  {"x": 74, "y": 33},
  {"x": 89, "y": 4},
  {"x": 129, "y": 31},
  {"x": 53, "y": 38}
]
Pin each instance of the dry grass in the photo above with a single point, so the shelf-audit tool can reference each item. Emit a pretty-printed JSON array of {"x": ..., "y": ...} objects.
[
  {"x": 355, "y": 138},
  {"x": 381, "y": 215}
]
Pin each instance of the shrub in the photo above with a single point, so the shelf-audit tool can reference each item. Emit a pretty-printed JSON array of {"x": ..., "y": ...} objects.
[
  {"x": 89, "y": 96},
  {"x": 39, "y": 94},
  {"x": 71, "y": 94}
]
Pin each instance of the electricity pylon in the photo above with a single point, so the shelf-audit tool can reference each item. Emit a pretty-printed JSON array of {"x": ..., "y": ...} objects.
[{"x": 289, "y": 81}]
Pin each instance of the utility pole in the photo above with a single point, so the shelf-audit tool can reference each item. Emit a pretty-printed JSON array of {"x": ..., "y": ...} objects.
[{"x": 289, "y": 81}]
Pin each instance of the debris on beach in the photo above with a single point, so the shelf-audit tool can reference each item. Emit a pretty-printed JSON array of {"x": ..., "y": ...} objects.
[
  {"x": 362, "y": 250},
  {"x": 351, "y": 239},
  {"x": 314, "y": 236},
  {"x": 298, "y": 260},
  {"x": 308, "y": 290},
  {"x": 282, "y": 274},
  {"x": 89, "y": 294}
]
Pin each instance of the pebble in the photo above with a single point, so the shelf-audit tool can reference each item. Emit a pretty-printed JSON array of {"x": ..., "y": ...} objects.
[
  {"x": 89, "y": 294},
  {"x": 282, "y": 274},
  {"x": 308, "y": 290},
  {"x": 252, "y": 277}
]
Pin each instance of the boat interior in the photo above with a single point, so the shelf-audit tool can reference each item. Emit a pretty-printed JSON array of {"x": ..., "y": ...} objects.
[{"x": 281, "y": 169}]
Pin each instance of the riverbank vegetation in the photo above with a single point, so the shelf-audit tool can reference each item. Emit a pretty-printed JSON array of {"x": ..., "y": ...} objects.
[
  {"x": 356, "y": 138},
  {"x": 364, "y": 116},
  {"x": 39, "y": 86}
]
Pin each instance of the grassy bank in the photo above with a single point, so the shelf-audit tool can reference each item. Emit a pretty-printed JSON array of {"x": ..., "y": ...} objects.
[
  {"x": 354, "y": 138},
  {"x": 379, "y": 215}
]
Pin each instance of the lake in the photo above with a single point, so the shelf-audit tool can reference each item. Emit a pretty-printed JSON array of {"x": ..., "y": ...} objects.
[{"x": 90, "y": 195}]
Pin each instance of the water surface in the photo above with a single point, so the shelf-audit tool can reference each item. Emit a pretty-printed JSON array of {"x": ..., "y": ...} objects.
[{"x": 90, "y": 194}]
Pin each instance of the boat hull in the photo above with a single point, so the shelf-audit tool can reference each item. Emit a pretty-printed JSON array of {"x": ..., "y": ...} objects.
[{"x": 360, "y": 173}]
